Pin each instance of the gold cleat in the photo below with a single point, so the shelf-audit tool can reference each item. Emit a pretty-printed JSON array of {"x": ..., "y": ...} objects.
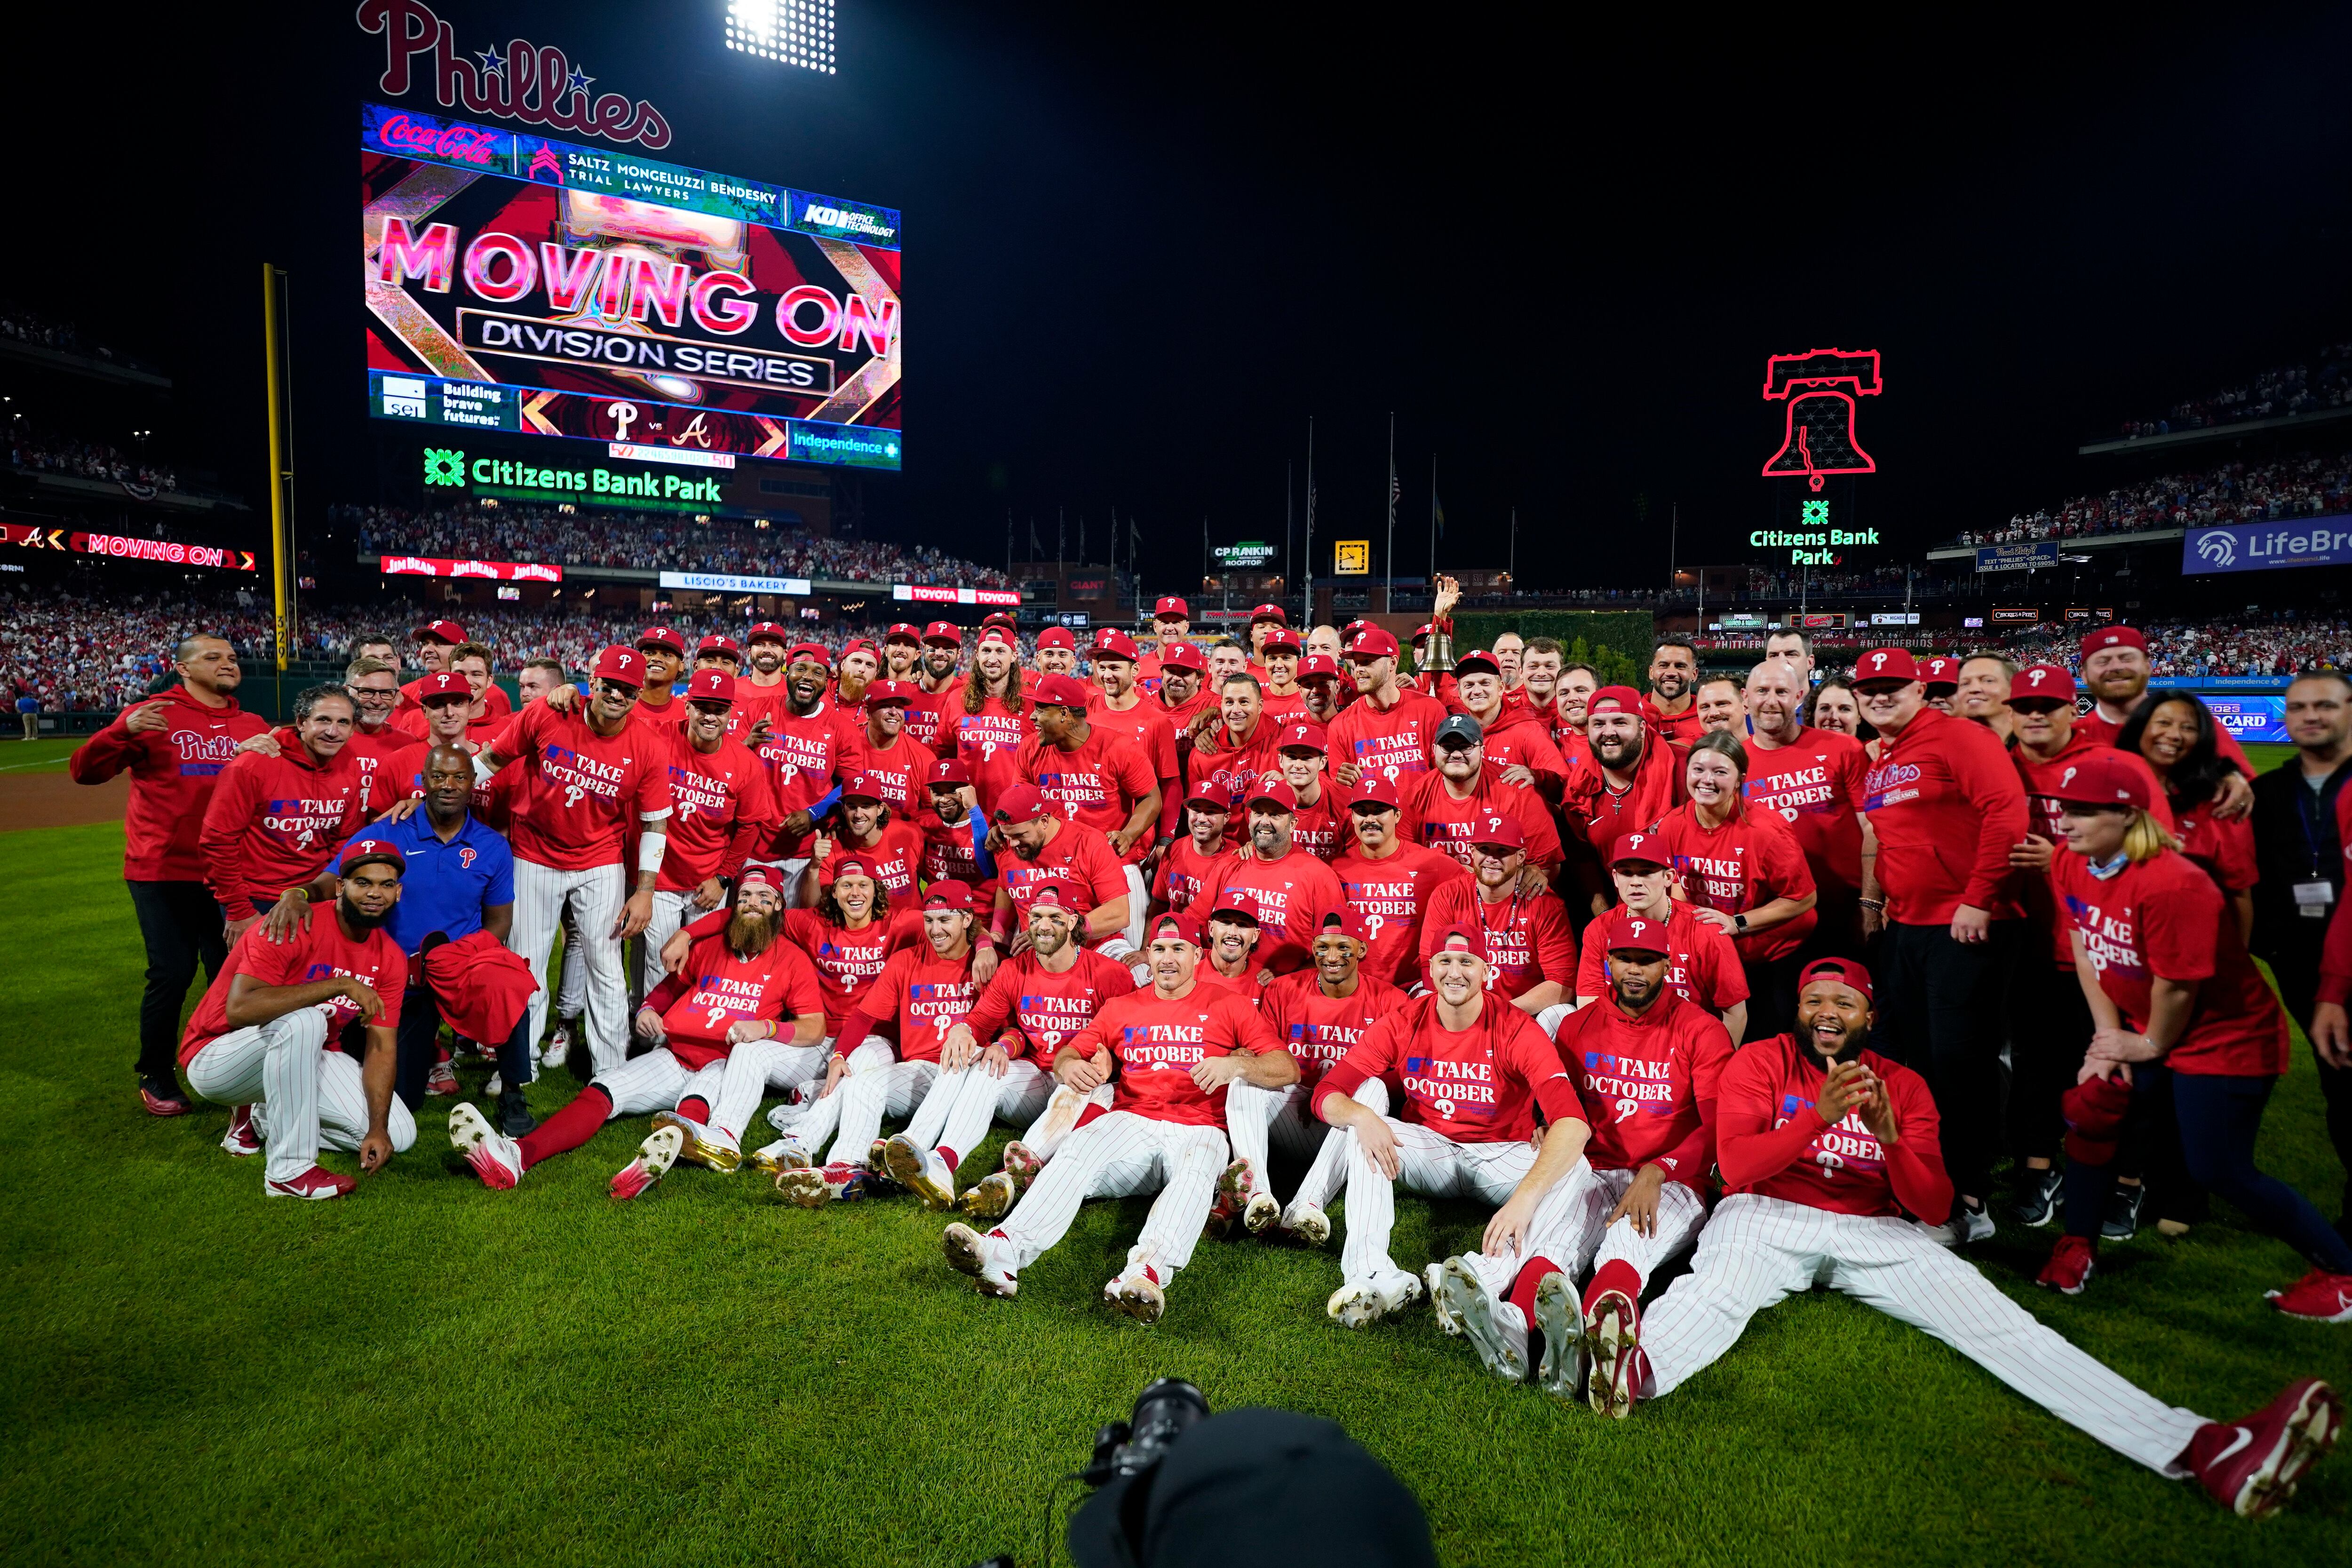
[
  {"x": 990, "y": 1200},
  {"x": 700, "y": 1150}
]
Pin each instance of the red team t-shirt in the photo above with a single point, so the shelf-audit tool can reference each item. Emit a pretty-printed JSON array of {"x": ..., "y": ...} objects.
[
  {"x": 926, "y": 995},
  {"x": 1033, "y": 1012},
  {"x": 275, "y": 822},
  {"x": 1318, "y": 1030},
  {"x": 1770, "y": 1141},
  {"x": 1074, "y": 854},
  {"x": 1435, "y": 818},
  {"x": 717, "y": 989},
  {"x": 1479, "y": 1085},
  {"x": 1742, "y": 865},
  {"x": 1185, "y": 871},
  {"x": 1393, "y": 894},
  {"x": 1289, "y": 898},
  {"x": 1095, "y": 786},
  {"x": 1528, "y": 939},
  {"x": 1815, "y": 782},
  {"x": 898, "y": 771},
  {"x": 1649, "y": 1084},
  {"x": 894, "y": 858},
  {"x": 1148, "y": 725},
  {"x": 988, "y": 743},
  {"x": 579, "y": 791},
  {"x": 319, "y": 950},
  {"x": 1702, "y": 965},
  {"x": 847, "y": 963},
  {"x": 721, "y": 815},
  {"x": 2164, "y": 919},
  {"x": 1393, "y": 743},
  {"x": 1157, "y": 1042},
  {"x": 806, "y": 754}
]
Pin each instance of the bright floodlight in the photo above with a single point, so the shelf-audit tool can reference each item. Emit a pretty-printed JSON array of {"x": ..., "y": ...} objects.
[{"x": 790, "y": 32}]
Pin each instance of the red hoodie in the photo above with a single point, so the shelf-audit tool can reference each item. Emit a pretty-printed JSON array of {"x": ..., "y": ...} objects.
[
  {"x": 1604, "y": 814},
  {"x": 1771, "y": 1141},
  {"x": 1947, "y": 806},
  {"x": 275, "y": 822},
  {"x": 173, "y": 770}
]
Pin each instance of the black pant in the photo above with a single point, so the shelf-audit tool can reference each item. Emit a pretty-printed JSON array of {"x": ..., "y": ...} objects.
[
  {"x": 420, "y": 1029},
  {"x": 1771, "y": 994},
  {"x": 2298, "y": 983},
  {"x": 2049, "y": 1031},
  {"x": 1939, "y": 1006},
  {"x": 179, "y": 923}
]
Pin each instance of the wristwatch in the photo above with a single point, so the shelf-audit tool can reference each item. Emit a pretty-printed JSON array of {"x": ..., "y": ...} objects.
[{"x": 1739, "y": 923}]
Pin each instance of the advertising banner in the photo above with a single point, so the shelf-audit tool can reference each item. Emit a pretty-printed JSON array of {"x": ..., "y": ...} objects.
[
  {"x": 2251, "y": 718},
  {"x": 2268, "y": 546},
  {"x": 731, "y": 582},
  {"x": 490, "y": 571},
  {"x": 163, "y": 551},
  {"x": 924, "y": 594},
  {"x": 2017, "y": 557}
]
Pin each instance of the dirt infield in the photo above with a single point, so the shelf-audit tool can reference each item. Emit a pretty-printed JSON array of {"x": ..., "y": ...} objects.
[{"x": 53, "y": 800}]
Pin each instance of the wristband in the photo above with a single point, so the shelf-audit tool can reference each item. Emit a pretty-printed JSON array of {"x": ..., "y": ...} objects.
[
  {"x": 1872, "y": 903},
  {"x": 650, "y": 849}
]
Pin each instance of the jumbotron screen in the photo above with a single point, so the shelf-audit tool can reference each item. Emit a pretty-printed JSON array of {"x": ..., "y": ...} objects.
[{"x": 520, "y": 283}]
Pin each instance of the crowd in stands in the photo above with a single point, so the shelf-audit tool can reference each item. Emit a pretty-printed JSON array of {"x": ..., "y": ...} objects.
[
  {"x": 2301, "y": 486},
  {"x": 50, "y": 331},
  {"x": 29, "y": 447},
  {"x": 2278, "y": 645},
  {"x": 2273, "y": 393},
  {"x": 645, "y": 542},
  {"x": 74, "y": 653}
]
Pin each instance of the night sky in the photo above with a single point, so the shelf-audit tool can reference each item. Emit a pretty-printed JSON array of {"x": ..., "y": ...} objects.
[{"x": 1144, "y": 250}]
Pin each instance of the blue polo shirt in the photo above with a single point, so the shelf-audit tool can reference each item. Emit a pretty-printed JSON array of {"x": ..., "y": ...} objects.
[{"x": 445, "y": 886}]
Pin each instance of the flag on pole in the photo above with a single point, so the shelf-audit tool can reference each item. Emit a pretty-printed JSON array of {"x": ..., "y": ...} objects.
[{"x": 1438, "y": 507}]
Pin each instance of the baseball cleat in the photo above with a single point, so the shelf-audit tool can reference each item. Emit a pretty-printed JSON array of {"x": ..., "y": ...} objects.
[
  {"x": 559, "y": 1046},
  {"x": 702, "y": 1145},
  {"x": 442, "y": 1080},
  {"x": 1223, "y": 1212},
  {"x": 2318, "y": 1296},
  {"x": 2039, "y": 1204},
  {"x": 1449, "y": 1322},
  {"x": 2251, "y": 1466},
  {"x": 241, "y": 1140},
  {"x": 1612, "y": 1333},
  {"x": 924, "y": 1172},
  {"x": 1021, "y": 1164},
  {"x": 1307, "y": 1222},
  {"x": 2072, "y": 1263},
  {"x": 774, "y": 1159},
  {"x": 1495, "y": 1329},
  {"x": 162, "y": 1097},
  {"x": 1362, "y": 1302},
  {"x": 877, "y": 1155},
  {"x": 314, "y": 1183},
  {"x": 991, "y": 1200},
  {"x": 1263, "y": 1215},
  {"x": 656, "y": 1155},
  {"x": 1559, "y": 1318},
  {"x": 968, "y": 1252},
  {"x": 813, "y": 1188},
  {"x": 492, "y": 1155},
  {"x": 1136, "y": 1295},
  {"x": 1238, "y": 1180}
]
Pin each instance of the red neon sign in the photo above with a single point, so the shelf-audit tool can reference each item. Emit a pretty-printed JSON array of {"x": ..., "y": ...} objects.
[
  {"x": 493, "y": 570},
  {"x": 1819, "y": 386}
]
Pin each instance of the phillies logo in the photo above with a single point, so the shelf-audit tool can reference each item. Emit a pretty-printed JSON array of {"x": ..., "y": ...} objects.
[
  {"x": 467, "y": 856},
  {"x": 1894, "y": 773},
  {"x": 2037, "y": 675},
  {"x": 2067, "y": 778},
  {"x": 533, "y": 84}
]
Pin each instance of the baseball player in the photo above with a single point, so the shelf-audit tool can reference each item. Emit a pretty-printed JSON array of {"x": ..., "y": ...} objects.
[
  {"x": 1442, "y": 805},
  {"x": 663, "y": 651},
  {"x": 1127, "y": 711},
  {"x": 1531, "y": 952},
  {"x": 434, "y": 642},
  {"x": 277, "y": 816},
  {"x": 1390, "y": 882},
  {"x": 902, "y": 653},
  {"x": 809, "y": 744},
  {"x": 1174, "y": 1053},
  {"x": 1320, "y": 826},
  {"x": 1474, "y": 1073},
  {"x": 986, "y": 721},
  {"x": 955, "y": 832},
  {"x": 260, "y": 1039},
  {"x": 761, "y": 689},
  {"x": 1319, "y": 1014},
  {"x": 1514, "y": 737},
  {"x": 1824, "y": 1145},
  {"x": 890, "y": 848},
  {"x": 1044, "y": 845},
  {"x": 1389, "y": 729},
  {"x": 1635, "y": 779},
  {"x": 721, "y": 814},
  {"x": 1236, "y": 748},
  {"x": 744, "y": 1013},
  {"x": 1286, "y": 889},
  {"x": 719, "y": 652},
  {"x": 590, "y": 768},
  {"x": 941, "y": 679},
  {"x": 1096, "y": 777},
  {"x": 1648, "y": 1065},
  {"x": 374, "y": 686},
  {"x": 860, "y": 663},
  {"x": 1196, "y": 861},
  {"x": 174, "y": 747},
  {"x": 1702, "y": 965},
  {"x": 894, "y": 760},
  {"x": 1183, "y": 694},
  {"x": 926, "y": 992}
]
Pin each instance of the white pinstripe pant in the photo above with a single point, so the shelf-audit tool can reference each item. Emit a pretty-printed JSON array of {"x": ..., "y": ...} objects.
[
  {"x": 1328, "y": 1173},
  {"x": 657, "y": 1080},
  {"x": 1757, "y": 1250},
  {"x": 1258, "y": 1119},
  {"x": 572, "y": 990},
  {"x": 303, "y": 1094},
  {"x": 1063, "y": 1106},
  {"x": 1118, "y": 1156},
  {"x": 670, "y": 912},
  {"x": 594, "y": 896},
  {"x": 1578, "y": 1237},
  {"x": 958, "y": 1110},
  {"x": 876, "y": 1085},
  {"x": 756, "y": 1066},
  {"x": 1433, "y": 1165}
]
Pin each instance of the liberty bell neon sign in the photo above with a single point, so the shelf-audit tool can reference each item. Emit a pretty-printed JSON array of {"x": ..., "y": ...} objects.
[{"x": 1820, "y": 387}]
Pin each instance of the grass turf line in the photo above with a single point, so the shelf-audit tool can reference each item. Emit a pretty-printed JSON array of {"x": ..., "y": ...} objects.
[{"x": 427, "y": 1370}]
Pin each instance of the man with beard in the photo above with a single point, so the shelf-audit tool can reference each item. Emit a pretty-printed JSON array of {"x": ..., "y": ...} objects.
[
  {"x": 1814, "y": 778},
  {"x": 1284, "y": 888},
  {"x": 1172, "y": 1052},
  {"x": 1099, "y": 779},
  {"x": 858, "y": 665},
  {"x": 1389, "y": 882},
  {"x": 276, "y": 817},
  {"x": 1229, "y": 941},
  {"x": 1823, "y": 1144},
  {"x": 1321, "y": 827},
  {"x": 1124, "y": 710},
  {"x": 1320, "y": 687},
  {"x": 1670, "y": 709},
  {"x": 955, "y": 832},
  {"x": 810, "y": 746},
  {"x": 1319, "y": 1014},
  {"x": 897, "y": 764},
  {"x": 1183, "y": 692},
  {"x": 1513, "y": 736},
  {"x": 2115, "y": 671},
  {"x": 1389, "y": 729},
  {"x": 1702, "y": 967},
  {"x": 1982, "y": 696},
  {"x": 1047, "y": 847},
  {"x": 742, "y": 1012},
  {"x": 722, "y": 814},
  {"x": 1652, "y": 1063},
  {"x": 260, "y": 1039},
  {"x": 902, "y": 653},
  {"x": 1636, "y": 778},
  {"x": 1442, "y": 807},
  {"x": 1530, "y": 952},
  {"x": 762, "y": 691},
  {"x": 988, "y": 718},
  {"x": 940, "y": 676},
  {"x": 174, "y": 747}
]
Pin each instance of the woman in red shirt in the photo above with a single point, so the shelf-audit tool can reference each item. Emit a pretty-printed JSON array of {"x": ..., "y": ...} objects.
[
  {"x": 2187, "y": 1031},
  {"x": 2177, "y": 737},
  {"x": 1743, "y": 872},
  {"x": 1834, "y": 707}
]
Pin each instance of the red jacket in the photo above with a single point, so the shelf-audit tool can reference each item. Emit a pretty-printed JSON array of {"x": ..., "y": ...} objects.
[
  {"x": 173, "y": 770},
  {"x": 1948, "y": 805},
  {"x": 275, "y": 822}
]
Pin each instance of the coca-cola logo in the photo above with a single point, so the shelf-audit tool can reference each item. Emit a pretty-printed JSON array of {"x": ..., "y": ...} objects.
[
  {"x": 463, "y": 143},
  {"x": 530, "y": 82}
]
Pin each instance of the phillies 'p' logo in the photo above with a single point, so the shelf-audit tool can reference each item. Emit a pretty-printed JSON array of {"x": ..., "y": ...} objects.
[
  {"x": 2067, "y": 778},
  {"x": 2036, "y": 676},
  {"x": 1878, "y": 661}
]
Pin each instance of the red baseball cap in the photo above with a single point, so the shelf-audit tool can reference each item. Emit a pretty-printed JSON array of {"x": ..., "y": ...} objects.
[
  {"x": 946, "y": 632},
  {"x": 361, "y": 851},
  {"x": 1319, "y": 664},
  {"x": 712, "y": 686},
  {"x": 1211, "y": 792},
  {"x": 853, "y": 865},
  {"x": 755, "y": 876},
  {"x": 2053, "y": 682},
  {"x": 1022, "y": 803},
  {"x": 945, "y": 895},
  {"x": 1502, "y": 832},
  {"x": 1844, "y": 971},
  {"x": 444, "y": 686},
  {"x": 1424, "y": 631},
  {"x": 1304, "y": 734},
  {"x": 1373, "y": 642},
  {"x": 625, "y": 664},
  {"x": 893, "y": 694},
  {"x": 1059, "y": 690},
  {"x": 1182, "y": 656},
  {"x": 1056, "y": 637},
  {"x": 662, "y": 637},
  {"x": 1940, "y": 670},
  {"x": 1172, "y": 608},
  {"x": 1348, "y": 921},
  {"x": 815, "y": 650},
  {"x": 1478, "y": 658},
  {"x": 715, "y": 643},
  {"x": 902, "y": 632},
  {"x": 1177, "y": 923},
  {"x": 1053, "y": 892},
  {"x": 2113, "y": 637},
  {"x": 441, "y": 631},
  {"x": 1373, "y": 789},
  {"x": 1000, "y": 618},
  {"x": 2103, "y": 776},
  {"x": 1283, "y": 638},
  {"x": 1613, "y": 699},
  {"x": 1278, "y": 792},
  {"x": 1630, "y": 933},
  {"x": 1643, "y": 848},
  {"x": 949, "y": 771},
  {"x": 1461, "y": 937},
  {"x": 992, "y": 633},
  {"x": 1268, "y": 613},
  {"x": 1885, "y": 664},
  {"x": 1115, "y": 644},
  {"x": 861, "y": 787},
  {"x": 861, "y": 645},
  {"x": 767, "y": 631}
]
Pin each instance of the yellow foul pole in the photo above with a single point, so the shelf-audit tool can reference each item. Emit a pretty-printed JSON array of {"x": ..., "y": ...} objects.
[{"x": 281, "y": 476}]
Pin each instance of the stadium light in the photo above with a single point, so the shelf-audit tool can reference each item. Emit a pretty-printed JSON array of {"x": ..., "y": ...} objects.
[{"x": 789, "y": 32}]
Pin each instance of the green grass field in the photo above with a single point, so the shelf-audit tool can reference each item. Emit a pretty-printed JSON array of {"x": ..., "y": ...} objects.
[{"x": 429, "y": 1372}]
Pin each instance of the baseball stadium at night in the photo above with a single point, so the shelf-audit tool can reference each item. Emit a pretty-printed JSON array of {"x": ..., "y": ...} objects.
[{"x": 1573, "y": 791}]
